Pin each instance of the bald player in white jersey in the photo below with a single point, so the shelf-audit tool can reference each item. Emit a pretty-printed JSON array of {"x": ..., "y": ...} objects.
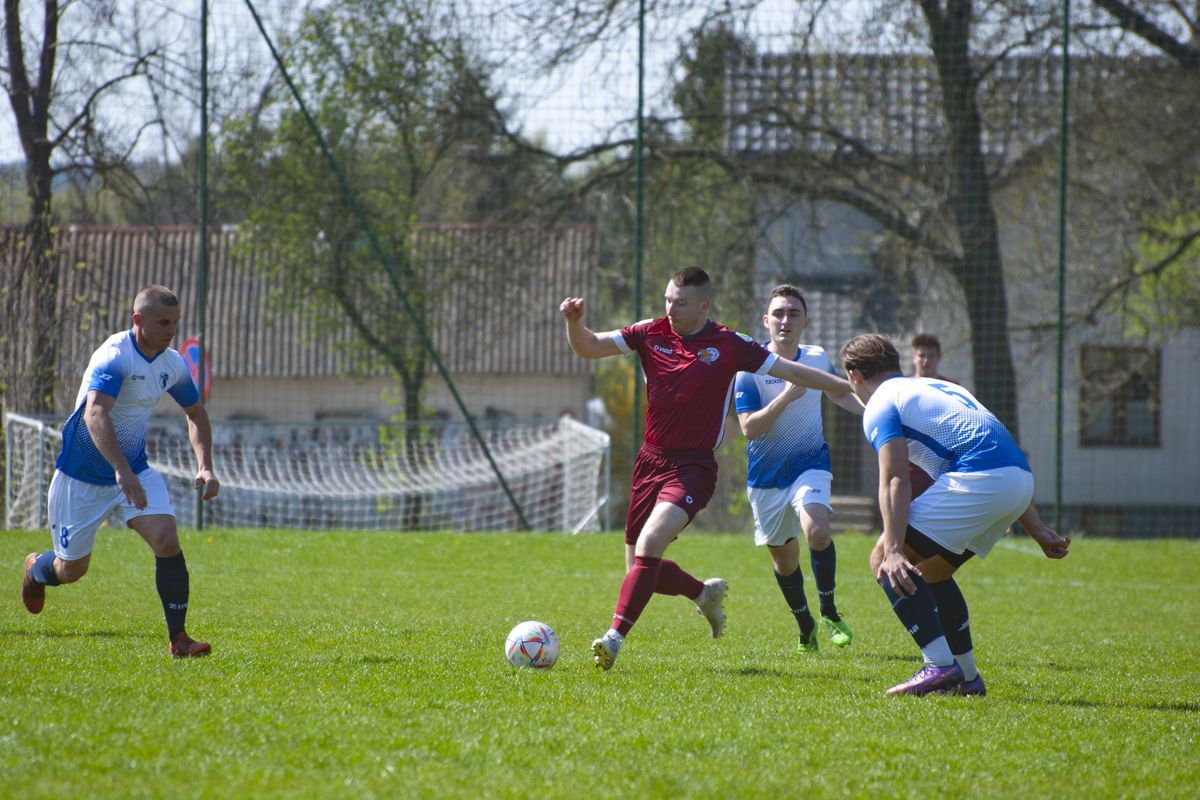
[
  {"x": 103, "y": 465},
  {"x": 788, "y": 478},
  {"x": 982, "y": 484}
]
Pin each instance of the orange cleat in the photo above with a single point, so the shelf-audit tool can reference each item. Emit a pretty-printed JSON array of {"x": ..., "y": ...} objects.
[
  {"x": 33, "y": 594},
  {"x": 184, "y": 646}
]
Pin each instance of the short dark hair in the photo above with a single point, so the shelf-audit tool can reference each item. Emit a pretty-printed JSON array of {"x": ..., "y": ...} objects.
[
  {"x": 691, "y": 276},
  {"x": 872, "y": 354},
  {"x": 154, "y": 296},
  {"x": 927, "y": 340},
  {"x": 788, "y": 290}
]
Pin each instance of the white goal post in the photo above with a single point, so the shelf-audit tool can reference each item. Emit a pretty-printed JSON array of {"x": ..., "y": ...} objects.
[{"x": 428, "y": 476}]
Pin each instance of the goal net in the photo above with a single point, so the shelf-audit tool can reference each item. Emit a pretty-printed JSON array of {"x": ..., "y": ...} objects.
[{"x": 425, "y": 476}]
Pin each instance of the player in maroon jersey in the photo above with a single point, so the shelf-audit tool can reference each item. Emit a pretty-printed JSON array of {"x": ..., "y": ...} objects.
[{"x": 689, "y": 362}]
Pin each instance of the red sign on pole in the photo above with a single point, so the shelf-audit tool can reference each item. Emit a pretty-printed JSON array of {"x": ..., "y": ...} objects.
[{"x": 190, "y": 350}]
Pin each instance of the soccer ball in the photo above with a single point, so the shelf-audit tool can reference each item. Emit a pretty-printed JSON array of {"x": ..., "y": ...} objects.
[{"x": 532, "y": 644}]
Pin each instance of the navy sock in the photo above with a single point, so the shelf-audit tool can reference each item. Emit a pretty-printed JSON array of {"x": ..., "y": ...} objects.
[
  {"x": 43, "y": 570},
  {"x": 171, "y": 578},
  {"x": 792, "y": 587},
  {"x": 917, "y": 612},
  {"x": 952, "y": 610},
  {"x": 824, "y": 566}
]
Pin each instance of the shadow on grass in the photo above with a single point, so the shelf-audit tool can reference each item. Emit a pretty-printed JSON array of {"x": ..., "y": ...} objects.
[
  {"x": 90, "y": 634},
  {"x": 775, "y": 672},
  {"x": 1186, "y": 707},
  {"x": 912, "y": 658},
  {"x": 756, "y": 672}
]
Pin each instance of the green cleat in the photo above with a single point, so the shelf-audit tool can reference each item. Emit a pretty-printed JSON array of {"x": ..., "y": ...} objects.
[
  {"x": 808, "y": 644},
  {"x": 839, "y": 631}
]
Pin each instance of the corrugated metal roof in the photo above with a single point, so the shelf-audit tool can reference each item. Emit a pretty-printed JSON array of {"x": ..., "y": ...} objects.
[
  {"x": 891, "y": 102},
  {"x": 498, "y": 312}
]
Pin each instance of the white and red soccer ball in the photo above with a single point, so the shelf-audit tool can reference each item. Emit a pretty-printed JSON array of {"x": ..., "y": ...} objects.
[{"x": 532, "y": 644}]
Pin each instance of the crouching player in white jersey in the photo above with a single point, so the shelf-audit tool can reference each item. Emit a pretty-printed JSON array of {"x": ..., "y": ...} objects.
[
  {"x": 787, "y": 475},
  {"x": 982, "y": 485},
  {"x": 103, "y": 463}
]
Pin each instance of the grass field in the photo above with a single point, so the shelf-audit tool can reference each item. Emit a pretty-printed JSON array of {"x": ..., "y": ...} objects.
[{"x": 370, "y": 665}]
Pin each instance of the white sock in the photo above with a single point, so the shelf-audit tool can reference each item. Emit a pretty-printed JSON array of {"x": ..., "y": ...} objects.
[
  {"x": 967, "y": 662},
  {"x": 937, "y": 653}
]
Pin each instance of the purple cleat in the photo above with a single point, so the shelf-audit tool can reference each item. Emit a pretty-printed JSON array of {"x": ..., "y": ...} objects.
[
  {"x": 972, "y": 688},
  {"x": 931, "y": 679}
]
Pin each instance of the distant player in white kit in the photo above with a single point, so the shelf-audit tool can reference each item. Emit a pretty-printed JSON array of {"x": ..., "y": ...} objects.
[
  {"x": 103, "y": 464},
  {"x": 787, "y": 474},
  {"x": 982, "y": 485}
]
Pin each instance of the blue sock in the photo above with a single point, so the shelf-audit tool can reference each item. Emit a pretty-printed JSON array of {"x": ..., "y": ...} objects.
[
  {"x": 952, "y": 611},
  {"x": 43, "y": 570},
  {"x": 824, "y": 566},
  {"x": 918, "y": 613},
  {"x": 792, "y": 587},
  {"x": 171, "y": 578}
]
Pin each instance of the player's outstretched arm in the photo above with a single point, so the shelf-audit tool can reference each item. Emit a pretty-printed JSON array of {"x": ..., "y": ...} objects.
[
  {"x": 1053, "y": 545},
  {"x": 807, "y": 376},
  {"x": 200, "y": 435},
  {"x": 583, "y": 340},
  {"x": 848, "y": 401}
]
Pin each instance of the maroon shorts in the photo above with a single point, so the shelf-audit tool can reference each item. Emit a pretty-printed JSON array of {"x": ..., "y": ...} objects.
[
  {"x": 685, "y": 478},
  {"x": 919, "y": 480}
]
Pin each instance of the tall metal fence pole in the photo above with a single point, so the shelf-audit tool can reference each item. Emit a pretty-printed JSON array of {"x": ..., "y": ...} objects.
[
  {"x": 635, "y": 421},
  {"x": 202, "y": 232},
  {"x": 1063, "y": 123}
]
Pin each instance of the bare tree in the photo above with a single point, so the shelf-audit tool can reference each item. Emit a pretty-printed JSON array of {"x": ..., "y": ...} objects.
[{"x": 57, "y": 74}]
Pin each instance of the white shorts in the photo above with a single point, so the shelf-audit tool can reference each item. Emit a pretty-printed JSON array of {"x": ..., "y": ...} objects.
[
  {"x": 972, "y": 510},
  {"x": 777, "y": 511},
  {"x": 76, "y": 509}
]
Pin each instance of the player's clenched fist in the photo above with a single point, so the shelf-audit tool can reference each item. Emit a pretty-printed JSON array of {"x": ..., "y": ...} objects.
[{"x": 571, "y": 308}]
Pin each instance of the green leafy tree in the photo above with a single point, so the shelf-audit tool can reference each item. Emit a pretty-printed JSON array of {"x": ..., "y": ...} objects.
[
  {"x": 408, "y": 114},
  {"x": 1166, "y": 296}
]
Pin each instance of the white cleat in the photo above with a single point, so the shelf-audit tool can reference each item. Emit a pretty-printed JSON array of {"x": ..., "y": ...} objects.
[
  {"x": 604, "y": 651},
  {"x": 711, "y": 604}
]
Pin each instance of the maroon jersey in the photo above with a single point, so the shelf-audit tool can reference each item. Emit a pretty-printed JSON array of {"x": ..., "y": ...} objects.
[{"x": 689, "y": 380}]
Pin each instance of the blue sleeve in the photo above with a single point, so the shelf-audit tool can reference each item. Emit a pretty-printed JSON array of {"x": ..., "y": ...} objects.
[
  {"x": 881, "y": 424},
  {"x": 107, "y": 377},
  {"x": 185, "y": 392},
  {"x": 745, "y": 393}
]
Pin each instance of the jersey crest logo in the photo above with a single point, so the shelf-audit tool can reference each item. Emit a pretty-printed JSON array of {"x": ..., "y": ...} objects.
[
  {"x": 162, "y": 378},
  {"x": 708, "y": 355}
]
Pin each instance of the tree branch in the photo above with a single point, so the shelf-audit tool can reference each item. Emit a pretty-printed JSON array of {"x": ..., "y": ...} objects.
[
  {"x": 1124, "y": 282},
  {"x": 1136, "y": 22}
]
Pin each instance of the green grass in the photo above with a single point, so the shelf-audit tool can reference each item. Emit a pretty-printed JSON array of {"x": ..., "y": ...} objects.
[{"x": 370, "y": 665}]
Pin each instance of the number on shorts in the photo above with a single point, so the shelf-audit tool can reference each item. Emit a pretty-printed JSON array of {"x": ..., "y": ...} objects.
[{"x": 62, "y": 537}]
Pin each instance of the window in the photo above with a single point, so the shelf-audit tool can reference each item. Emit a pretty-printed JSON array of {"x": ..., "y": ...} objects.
[{"x": 1119, "y": 396}]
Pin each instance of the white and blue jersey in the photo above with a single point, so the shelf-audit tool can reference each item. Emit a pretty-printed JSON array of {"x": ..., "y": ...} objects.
[
  {"x": 119, "y": 369},
  {"x": 796, "y": 442},
  {"x": 947, "y": 428}
]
